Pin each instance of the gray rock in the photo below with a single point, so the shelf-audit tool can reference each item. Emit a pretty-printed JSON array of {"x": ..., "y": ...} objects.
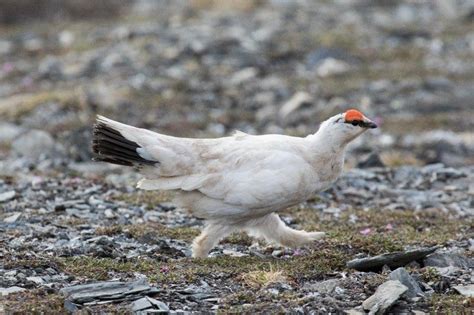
[
  {"x": 141, "y": 304},
  {"x": 404, "y": 277},
  {"x": 327, "y": 286},
  {"x": 6, "y": 291},
  {"x": 331, "y": 66},
  {"x": 158, "y": 304},
  {"x": 8, "y": 132},
  {"x": 37, "y": 280},
  {"x": 7, "y": 195},
  {"x": 373, "y": 160},
  {"x": 34, "y": 144},
  {"x": 295, "y": 102},
  {"x": 318, "y": 55},
  {"x": 71, "y": 307},
  {"x": 107, "y": 290},
  {"x": 13, "y": 218},
  {"x": 50, "y": 68},
  {"x": 449, "y": 260},
  {"x": 384, "y": 297},
  {"x": 354, "y": 311},
  {"x": 438, "y": 83},
  {"x": 393, "y": 260},
  {"x": 466, "y": 290}
]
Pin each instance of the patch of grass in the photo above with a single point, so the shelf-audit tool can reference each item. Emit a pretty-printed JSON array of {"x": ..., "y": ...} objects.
[
  {"x": 397, "y": 158},
  {"x": 451, "y": 304},
  {"x": 109, "y": 230},
  {"x": 103, "y": 268},
  {"x": 73, "y": 221},
  {"x": 406, "y": 228},
  {"x": 23, "y": 260},
  {"x": 401, "y": 125},
  {"x": 183, "y": 271},
  {"x": 241, "y": 298},
  {"x": 311, "y": 266},
  {"x": 316, "y": 264},
  {"x": 33, "y": 302},
  {"x": 239, "y": 239},
  {"x": 17, "y": 105},
  {"x": 150, "y": 231},
  {"x": 262, "y": 278},
  {"x": 430, "y": 274},
  {"x": 154, "y": 230},
  {"x": 148, "y": 198}
]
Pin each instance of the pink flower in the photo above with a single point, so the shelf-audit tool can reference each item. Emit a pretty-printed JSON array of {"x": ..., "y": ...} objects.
[
  {"x": 8, "y": 67},
  {"x": 389, "y": 227},
  {"x": 366, "y": 231},
  {"x": 164, "y": 269},
  {"x": 297, "y": 252},
  {"x": 27, "y": 81}
]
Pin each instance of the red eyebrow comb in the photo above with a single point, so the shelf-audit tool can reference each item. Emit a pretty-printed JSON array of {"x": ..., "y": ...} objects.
[{"x": 353, "y": 114}]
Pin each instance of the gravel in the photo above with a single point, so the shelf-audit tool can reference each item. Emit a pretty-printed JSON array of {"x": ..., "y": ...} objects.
[{"x": 198, "y": 69}]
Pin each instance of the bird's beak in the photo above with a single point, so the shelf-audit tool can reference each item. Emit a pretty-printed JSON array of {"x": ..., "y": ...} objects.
[{"x": 367, "y": 123}]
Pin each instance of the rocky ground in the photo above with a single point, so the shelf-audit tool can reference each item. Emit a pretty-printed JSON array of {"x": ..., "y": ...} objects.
[{"x": 203, "y": 68}]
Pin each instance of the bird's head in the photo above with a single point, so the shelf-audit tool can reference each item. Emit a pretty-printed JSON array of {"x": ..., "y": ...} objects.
[{"x": 346, "y": 126}]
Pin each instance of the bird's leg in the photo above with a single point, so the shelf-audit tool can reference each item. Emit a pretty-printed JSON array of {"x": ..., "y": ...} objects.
[
  {"x": 272, "y": 228},
  {"x": 209, "y": 237}
]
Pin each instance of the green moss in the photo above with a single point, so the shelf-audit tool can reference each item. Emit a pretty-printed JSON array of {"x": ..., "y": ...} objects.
[
  {"x": 406, "y": 228},
  {"x": 102, "y": 268},
  {"x": 150, "y": 199},
  {"x": 430, "y": 274},
  {"x": 154, "y": 230},
  {"x": 109, "y": 230},
  {"x": 240, "y": 302},
  {"x": 18, "y": 105},
  {"x": 150, "y": 231},
  {"x": 12, "y": 262},
  {"x": 33, "y": 302},
  {"x": 239, "y": 239},
  {"x": 312, "y": 266},
  {"x": 72, "y": 221},
  {"x": 451, "y": 304}
]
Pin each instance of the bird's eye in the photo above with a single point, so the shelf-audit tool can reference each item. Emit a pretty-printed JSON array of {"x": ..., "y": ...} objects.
[{"x": 355, "y": 123}]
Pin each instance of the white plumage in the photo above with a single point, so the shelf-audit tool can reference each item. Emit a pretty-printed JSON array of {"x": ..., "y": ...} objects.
[{"x": 236, "y": 182}]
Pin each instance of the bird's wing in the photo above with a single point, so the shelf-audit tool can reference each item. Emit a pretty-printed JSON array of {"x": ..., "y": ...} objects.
[
  {"x": 267, "y": 178},
  {"x": 242, "y": 176}
]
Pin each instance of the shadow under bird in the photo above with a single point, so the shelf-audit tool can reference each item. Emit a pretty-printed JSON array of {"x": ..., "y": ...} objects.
[{"x": 235, "y": 183}]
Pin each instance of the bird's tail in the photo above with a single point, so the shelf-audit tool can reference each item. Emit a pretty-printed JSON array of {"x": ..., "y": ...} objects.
[{"x": 112, "y": 142}]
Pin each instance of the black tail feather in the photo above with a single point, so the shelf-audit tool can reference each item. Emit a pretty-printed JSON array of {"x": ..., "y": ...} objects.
[{"x": 108, "y": 145}]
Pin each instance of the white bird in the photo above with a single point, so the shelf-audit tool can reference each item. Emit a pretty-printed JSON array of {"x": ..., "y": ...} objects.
[{"x": 237, "y": 182}]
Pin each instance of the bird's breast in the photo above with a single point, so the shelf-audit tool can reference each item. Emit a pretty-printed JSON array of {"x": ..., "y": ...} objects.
[{"x": 327, "y": 171}]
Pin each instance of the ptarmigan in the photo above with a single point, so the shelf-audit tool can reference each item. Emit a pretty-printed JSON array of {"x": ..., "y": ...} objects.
[{"x": 237, "y": 182}]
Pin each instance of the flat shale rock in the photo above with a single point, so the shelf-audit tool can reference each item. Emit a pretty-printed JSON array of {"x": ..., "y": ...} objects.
[
  {"x": 393, "y": 260},
  {"x": 384, "y": 297},
  {"x": 99, "y": 292},
  {"x": 148, "y": 305},
  {"x": 449, "y": 260},
  {"x": 14, "y": 289},
  {"x": 7, "y": 195},
  {"x": 466, "y": 290}
]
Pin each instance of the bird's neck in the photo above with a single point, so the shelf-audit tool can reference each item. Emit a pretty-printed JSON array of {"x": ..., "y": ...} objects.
[{"x": 323, "y": 142}]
